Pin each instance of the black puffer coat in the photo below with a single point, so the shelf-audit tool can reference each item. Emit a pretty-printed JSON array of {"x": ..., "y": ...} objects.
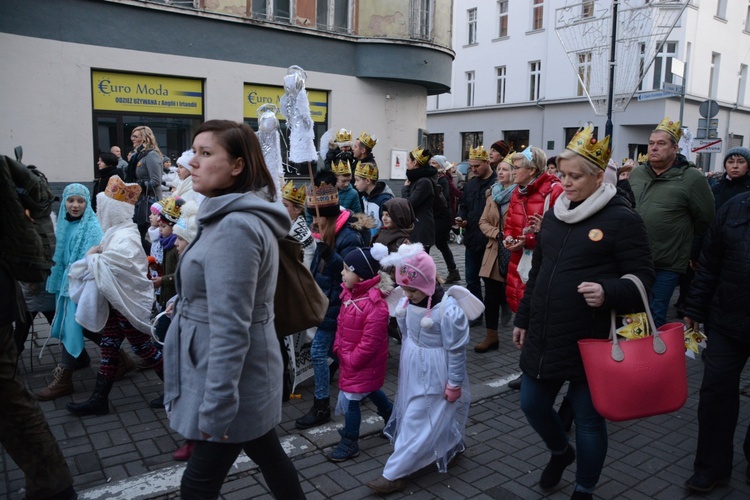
[
  {"x": 720, "y": 292},
  {"x": 608, "y": 244}
]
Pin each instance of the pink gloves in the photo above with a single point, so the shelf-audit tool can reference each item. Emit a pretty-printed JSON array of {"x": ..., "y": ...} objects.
[{"x": 452, "y": 393}]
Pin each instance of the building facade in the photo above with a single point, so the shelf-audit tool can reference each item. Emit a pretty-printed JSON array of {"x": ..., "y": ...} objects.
[
  {"x": 79, "y": 75},
  {"x": 512, "y": 79}
]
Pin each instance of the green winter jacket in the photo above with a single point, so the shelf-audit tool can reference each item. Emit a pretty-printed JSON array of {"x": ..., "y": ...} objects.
[{"x": 675, "y": 206}]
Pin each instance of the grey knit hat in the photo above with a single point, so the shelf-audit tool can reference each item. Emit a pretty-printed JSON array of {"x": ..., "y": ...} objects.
[{"x": 737, "y": 151}]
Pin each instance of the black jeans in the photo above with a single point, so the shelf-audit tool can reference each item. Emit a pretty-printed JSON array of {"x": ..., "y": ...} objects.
[
  {"x": 494, "y": 298},
  {"x": 442, "y": 238},
  {"x": 210, "y": 462},
  {"x": 724, "y": 359}
]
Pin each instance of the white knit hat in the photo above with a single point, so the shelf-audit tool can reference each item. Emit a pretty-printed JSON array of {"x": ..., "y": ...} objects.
[
  {"x": 187, "y": 225},
  {"x": 184, "y": 160}
]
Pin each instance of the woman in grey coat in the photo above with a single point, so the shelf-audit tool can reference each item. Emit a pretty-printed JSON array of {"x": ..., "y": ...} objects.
[{"x": 223, "y": 368}]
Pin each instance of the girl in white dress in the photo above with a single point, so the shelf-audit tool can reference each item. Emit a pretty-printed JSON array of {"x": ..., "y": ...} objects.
[{"x": 432, "y": 402}]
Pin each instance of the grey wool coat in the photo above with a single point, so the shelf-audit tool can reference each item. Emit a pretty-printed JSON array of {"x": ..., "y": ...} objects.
[{"x": 222, "y": 362}]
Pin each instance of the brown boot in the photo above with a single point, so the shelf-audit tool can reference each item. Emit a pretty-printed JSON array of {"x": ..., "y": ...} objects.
[
  {"x": 490, "y": 342},
  {"x": 386, "y": 486},
  {"x": 61, "y": 385},
  {"x": 126, "y": 365}
]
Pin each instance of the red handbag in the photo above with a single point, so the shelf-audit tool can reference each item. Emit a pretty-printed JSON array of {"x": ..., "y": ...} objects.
[{"x": 637, "y": 378}]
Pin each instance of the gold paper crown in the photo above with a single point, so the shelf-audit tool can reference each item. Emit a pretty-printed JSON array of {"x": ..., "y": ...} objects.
[
  {"x": 367, "y": 171},
  {"x": 343, "y": 136},
  {"x": 367, "y": 140},
  {"x": 419, "y": 156},
  {"x": 670, "y": 127},
  {"x": 479, "y": 153},
  {"x": 342, "y": 168},
  {"x": 642, "y": 158},
  {"x": 509, "y": 158},
  {"x": 171, "y": 209},
  {"x": 293, "y": 194},
  {"x": 584, "y": 144},
  {"x": 118, "y": 190},
  {"x": 326, "y": 195}
]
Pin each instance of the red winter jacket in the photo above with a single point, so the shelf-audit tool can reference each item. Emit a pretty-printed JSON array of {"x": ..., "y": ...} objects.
[
  {"x": 361, "y": 343},
  {"x": 521, "y": 206}
]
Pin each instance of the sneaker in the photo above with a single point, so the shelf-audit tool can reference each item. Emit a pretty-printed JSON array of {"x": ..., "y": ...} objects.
[
  {"x": 552, "y": 474},
  {"x": 347, "y": 448}
]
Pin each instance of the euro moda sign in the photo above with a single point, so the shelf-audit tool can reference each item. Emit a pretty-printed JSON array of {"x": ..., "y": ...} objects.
[
  {"x": 131, "y": 92},
  {"x": 257, "y": 95}
]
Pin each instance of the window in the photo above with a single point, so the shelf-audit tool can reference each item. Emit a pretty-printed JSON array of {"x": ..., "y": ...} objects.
[
  {"x": 721, "y": 9},
  {"x": 713, "y": 79},
  {"x": 570, "y": 132},
  {"x": 584, "y": 72},
  {"x": 422, "y": 12},
  {"x": 272, "y": 10},
  {"x": 436, "y": 143},
  {"x": 333, "y": 15},
  {"x": 470, "y": 140},
  {"x": 516, "y": 139},
  {"x": 742, "y": 85},
  {"x": 535, "y": 79},
  {"x": 663, "y": 64},
  {"x": 641, "y": 64},
  {"x": 537, "y": 15},
  {"x": 472, "y": 15},
  {"x": 501, "y": 73},
  {"x": 502, "y": 16},
  {"x": 469, "y": 88},
  {"x": 587, "y": 9}
]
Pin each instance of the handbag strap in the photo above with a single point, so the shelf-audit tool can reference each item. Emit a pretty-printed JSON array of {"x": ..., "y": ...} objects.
[{"x": 659, "y": 346}]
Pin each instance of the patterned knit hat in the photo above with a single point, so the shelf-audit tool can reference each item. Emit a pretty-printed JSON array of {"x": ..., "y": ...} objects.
[
  {"x": 324, "y": 200},
  {"x": 415, "y": 269}
]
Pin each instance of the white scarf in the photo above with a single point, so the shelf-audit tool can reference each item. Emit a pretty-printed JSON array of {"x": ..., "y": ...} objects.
[{"x": 587, "y": 208}]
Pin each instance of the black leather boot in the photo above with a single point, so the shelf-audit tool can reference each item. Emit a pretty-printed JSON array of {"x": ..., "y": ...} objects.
[
  {"x": 98, "y": 403},
  {"x": 319, "y": 414}
]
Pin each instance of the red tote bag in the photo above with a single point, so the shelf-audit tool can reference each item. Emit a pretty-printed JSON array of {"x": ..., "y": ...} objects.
[{"x": 637, "y": 378}]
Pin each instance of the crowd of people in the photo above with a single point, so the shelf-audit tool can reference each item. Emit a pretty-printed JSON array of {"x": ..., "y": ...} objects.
[{"x": 546, "y": 243}]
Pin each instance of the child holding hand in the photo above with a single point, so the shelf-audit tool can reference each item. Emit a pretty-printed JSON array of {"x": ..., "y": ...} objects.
[{"x": 361, "y": 343}]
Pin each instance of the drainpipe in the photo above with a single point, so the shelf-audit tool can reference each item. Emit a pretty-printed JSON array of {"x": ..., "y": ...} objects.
[{"x": 542, "y": 108}]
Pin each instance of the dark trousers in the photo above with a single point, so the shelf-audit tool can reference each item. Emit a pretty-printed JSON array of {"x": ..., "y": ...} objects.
[
  {"x": 24, "y": 432},
  {"x": 442, "y": 238},
  {"x": 494, "y": 298},
  {"x": 724, "y": 359},
  {"x": 210, "y": 462},
  {"x": 473, "y": 265}
]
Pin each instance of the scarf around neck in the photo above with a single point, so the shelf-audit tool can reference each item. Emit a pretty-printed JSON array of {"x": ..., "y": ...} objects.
[
  {"x": 168, "y": 242},
  {"x": 501, "y": 195},
  {"x": 587, "y": 207}
]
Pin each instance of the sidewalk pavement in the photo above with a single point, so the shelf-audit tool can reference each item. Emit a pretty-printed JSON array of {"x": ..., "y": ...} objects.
[{"x": 127, "y": 454}]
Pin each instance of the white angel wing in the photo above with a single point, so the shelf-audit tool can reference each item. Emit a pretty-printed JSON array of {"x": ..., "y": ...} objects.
[{"x": 472, "y": 306}]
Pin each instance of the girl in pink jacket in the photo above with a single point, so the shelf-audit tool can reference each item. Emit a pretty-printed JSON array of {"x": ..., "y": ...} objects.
[{"x": 361, "y": 343}]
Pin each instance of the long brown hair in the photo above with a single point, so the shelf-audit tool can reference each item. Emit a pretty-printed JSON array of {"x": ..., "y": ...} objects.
[{"x": 240, "y": 141}]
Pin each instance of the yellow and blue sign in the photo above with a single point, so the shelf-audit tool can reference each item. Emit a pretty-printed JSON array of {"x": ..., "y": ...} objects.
[
  {"x": 131, "y": 92},
  {"x": 258, "y": 95}
]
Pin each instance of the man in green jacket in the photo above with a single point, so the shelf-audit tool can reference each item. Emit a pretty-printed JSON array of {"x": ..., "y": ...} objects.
[{"x": 676, "y": 203}]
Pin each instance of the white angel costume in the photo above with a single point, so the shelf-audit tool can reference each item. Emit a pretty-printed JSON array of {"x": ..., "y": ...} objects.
[{"x": 425, "y": 428}]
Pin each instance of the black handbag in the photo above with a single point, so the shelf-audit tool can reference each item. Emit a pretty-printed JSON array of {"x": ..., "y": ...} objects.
[
  {"x": 143, "y": 205},
  {"x": 503, "y": 259}
]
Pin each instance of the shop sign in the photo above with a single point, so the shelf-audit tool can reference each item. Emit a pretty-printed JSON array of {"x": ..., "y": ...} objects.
[
  {"x": 258, "y": 95},
  {"x": 131, "y": 92}
]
